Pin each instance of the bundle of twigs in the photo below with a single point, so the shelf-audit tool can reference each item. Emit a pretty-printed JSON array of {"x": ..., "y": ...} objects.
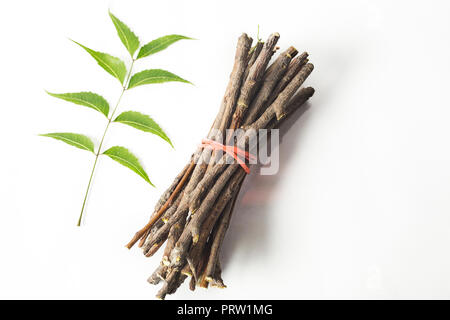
[{"x": 193, "y": 214}]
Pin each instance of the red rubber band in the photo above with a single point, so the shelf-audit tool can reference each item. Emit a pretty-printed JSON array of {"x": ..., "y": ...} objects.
[{"x": 233, "y": 151}]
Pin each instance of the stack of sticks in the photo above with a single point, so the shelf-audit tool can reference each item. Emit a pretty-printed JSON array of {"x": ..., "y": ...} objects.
[{"x": 193, "y": 214}]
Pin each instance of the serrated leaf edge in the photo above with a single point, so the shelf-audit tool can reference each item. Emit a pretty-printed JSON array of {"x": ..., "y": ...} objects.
[
  {"x": 161, "y": 45},
  {"x": 55, "y": 95},
  {"x": 48, "y": 135},
  {"x": 155, "y": 132},
  {"x": 112, "y": 70},
  {"x": 142, "y": 174},
  {"x": 161, "y": 77},
  {"x": 114, "y": 18}
]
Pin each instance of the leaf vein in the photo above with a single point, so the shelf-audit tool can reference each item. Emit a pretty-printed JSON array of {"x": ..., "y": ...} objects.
[
  {"x": 73, "y": 141},
  {"x": 130, "y": 163}
]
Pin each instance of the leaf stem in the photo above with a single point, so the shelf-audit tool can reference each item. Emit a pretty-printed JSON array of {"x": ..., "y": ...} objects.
[
  {"x": 124, "y": 88},
  {"x": 87, "y": 191}
]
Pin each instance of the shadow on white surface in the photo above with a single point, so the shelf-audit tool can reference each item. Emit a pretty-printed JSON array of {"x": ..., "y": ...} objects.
[
  {"x": 252, "y": 235},
  {"x": 250, "y": 230}
]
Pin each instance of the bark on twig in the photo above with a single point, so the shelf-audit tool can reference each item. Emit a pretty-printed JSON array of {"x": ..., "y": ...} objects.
[
  {"x": 174, "y": 235},
  {"x": 217, "y": 280},
  {"x": 191, "y": 232},
  {"x": 284, "y": 96},
  {"x": 254, "y": 53},
  {"x": 236, "y": 79},
  {"x": 160, "y": 212},
  {"x": 271, "y": 78},
  {"x": 216, "y": 242},
  {"x": 294, "y": 67},
  {"x": 252, "y": 82},
  {"x": 158, "y": 275}
]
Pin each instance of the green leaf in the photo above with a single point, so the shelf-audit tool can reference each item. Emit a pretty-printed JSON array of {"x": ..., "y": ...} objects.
[
  {"x": 153, "y": 76},
  {"x": 128, "y": 38},
  {"x": 74, "y": 139},
  {"x": 126, "y": 158},
  {"x": 159, "y": 44},
  {"x": 112, "y": 65},
  {"x": 142, "y": 122},
  {"x": 88, "y": 99}
]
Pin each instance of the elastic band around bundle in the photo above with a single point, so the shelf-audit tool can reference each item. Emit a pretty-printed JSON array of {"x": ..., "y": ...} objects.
[{"x": 233, "y": 151}]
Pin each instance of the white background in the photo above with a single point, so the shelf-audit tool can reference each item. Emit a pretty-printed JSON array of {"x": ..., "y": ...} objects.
[{"x": 359, "y": 209}]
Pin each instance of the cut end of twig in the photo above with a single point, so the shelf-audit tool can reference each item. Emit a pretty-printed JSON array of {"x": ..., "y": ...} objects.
[
  {"x": 192, "y": 269},
  {"x": 310, "y": 91},
  {"x": 143, "y": 239},
  {"x": 165, "y": 261},
  {"x": 309, "y": 67},
  {"x": 153, "y": 250},
  {"x": 154, "y": 280},
  {"x": 187, "y": 273},
  {"x": 129, "y": 246},
  {"x": 195, "y": 238},
  {"x": 192, "y": 284},
  {"x": 217, "y": 284},
  {"x": 291, "y": 52},
  {"x": 135, "y": 239}
]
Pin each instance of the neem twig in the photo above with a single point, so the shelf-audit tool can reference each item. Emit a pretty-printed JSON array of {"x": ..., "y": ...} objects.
[
  {"x": 216, "y": 241},
  {"x": 254, "y": 53},
  {"x": 271, "y": 78},
  {"x": 252, "y": 82}
]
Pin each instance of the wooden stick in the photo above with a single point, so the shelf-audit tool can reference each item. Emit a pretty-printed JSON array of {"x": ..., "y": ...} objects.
[
  {"x": 208, "y": 229},
  {"x": 191, "y": 233},
  {"x": 284, "y": 96},
  {"x": 253, "y": 80},
  {"x": 271, "y": 78},
  {"x": 156, "y": 216},
  {"x": 217, "y": 281},
  {"x": 158, "y": 275},
  {"x": 296, "y": 64},
  {"x": 236, "y": 80},
  {"x": 254, "y": 53},
  {"x": 163, "y": 200},
  {"x": 174, "y": 235},
  {"x": 217, "y": 240}
]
